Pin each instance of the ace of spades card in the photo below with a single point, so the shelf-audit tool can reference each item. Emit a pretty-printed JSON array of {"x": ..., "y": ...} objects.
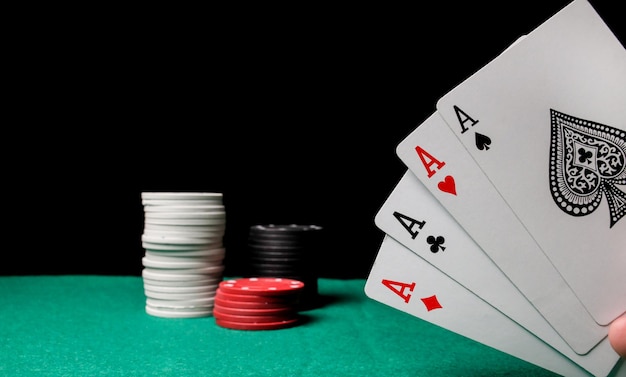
[{"x": 546, "y": 122}]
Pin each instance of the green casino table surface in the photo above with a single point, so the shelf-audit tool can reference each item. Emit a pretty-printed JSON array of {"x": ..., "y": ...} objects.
[{"x": 93, "y": 325}]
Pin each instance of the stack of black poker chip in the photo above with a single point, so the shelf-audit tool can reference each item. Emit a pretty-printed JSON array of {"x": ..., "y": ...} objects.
[{"x": 286, "y": 251}]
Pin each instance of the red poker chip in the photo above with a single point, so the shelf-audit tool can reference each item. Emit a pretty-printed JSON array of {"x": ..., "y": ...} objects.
[
  {"x": 218, "y": 314},
  {"x": 281, "y": 299},
  {"x": 251, "y": 304},
  {"x": 257, "y": 326},
  {"x": 262, "y": 286},
  {"x": 280, "y": 311}
]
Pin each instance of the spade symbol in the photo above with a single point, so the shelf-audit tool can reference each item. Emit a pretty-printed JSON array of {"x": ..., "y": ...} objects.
[
  {"x": 587, "y": 163},
  {"x": 482, "y": 141}
]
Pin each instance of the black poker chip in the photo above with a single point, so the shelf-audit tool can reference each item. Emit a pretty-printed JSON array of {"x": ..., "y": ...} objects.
[
  {"x": 282, "y": 244},
  {"x": 278, "y": 255},
  {"x": 273, "y": 269},
  {"x": 255, "y": 253},
  {"x": 285, "y": 230},
  {"x": 288, "y": 251},
  {"x": 272, "y": 247}
]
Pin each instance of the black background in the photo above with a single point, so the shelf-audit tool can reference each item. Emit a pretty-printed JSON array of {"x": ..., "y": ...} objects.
[{"x": 292, "y": 112}]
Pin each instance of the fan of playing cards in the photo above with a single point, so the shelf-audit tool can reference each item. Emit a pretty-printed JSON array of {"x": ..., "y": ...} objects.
[{"x": 508, "y": 226}]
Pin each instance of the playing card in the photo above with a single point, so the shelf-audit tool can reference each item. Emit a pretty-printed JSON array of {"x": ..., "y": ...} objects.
[
  {"x": 408, "y": 283},
  {"x": 444, "y": 166},
  {"x": 546, "y": 123},
  {"x": 413, "y": 217}
]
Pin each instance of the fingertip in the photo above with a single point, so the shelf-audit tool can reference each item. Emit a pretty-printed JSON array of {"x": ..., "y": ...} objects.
[{"x": 617, "y": 335}]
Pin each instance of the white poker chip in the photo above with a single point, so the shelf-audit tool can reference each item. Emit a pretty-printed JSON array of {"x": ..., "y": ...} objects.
[
  {"x": 212, "y": 228},
  {"x": 207, "y": 270},
  {"x": 182, "y": 195},
  {"x": 184, "y": 283},
  {"x": 174, "y": 275},
  {"x": 164, "y": 247},
  {"x": 208, "y": 253},
  {"x": 181, "y": 304},
  {"x": 185, "y": 215},
  {"x": 185, "y": 209},
  {"x": 166, "y": 202},
  {"x": 148, "y": 262},
  {"x": 168, "y": 240},
  {"x": 174, "y": 258},
  {"x": 207, "y": 301},
  {"x": 182, "y": 234},
  {"x": 156, "y": 303},
  {"x": 179, "y": 289},
  {"x": 177, "y": 308},
  {"x": 168, "y": 313},
  {"x": 186, "y": 231},
  {"x": 179, "y": 296},
  {"x": 207, "y": 221}
]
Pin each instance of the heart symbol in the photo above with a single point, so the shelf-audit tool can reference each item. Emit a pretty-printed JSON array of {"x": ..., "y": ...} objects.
[{"x": 447, "y": 185}]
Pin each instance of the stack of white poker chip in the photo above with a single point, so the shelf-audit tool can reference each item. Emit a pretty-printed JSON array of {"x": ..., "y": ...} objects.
[{"x": 184, "y": 252}]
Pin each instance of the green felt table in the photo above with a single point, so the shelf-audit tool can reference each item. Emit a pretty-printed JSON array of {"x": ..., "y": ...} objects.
[{"x": 91, "y": 325}]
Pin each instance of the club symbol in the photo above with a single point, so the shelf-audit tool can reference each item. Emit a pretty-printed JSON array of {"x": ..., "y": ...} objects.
[
  {"x": 436, "y": 243},
  {"x": 584, "y": 156}
]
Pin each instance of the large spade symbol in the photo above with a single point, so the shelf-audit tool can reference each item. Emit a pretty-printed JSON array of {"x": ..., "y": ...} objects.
[{"x": 587, "y": 161}]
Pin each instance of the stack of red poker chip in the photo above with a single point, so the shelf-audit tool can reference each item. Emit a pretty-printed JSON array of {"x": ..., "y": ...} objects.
[{"x": 257, "y": 303}]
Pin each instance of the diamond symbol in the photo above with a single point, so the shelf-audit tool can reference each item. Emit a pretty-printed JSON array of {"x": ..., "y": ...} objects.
[{"x": 431, "y": 302}]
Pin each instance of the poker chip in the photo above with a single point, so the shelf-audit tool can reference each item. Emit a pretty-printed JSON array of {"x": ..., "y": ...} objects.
[
  {"x": 201, "y": 288},
  {"x": 184, "y": 252},
  {"x": 224, "y": 303},
  {"x": 287, "y": 251},
  {"x": 183, "y": 221},
  {"x": 211, "y": 270},
  {"x": 262, "y": 286},
  {"x": 168, "y": 247},
  {"x": 185, "y": 215},
  {"x": 258, "y": 303},
  {"x": 168, "y": 257},
  {"x": 219, "y": 315},
  {"x": 190, "y": 233},
  {"x": 174, "y": 264},
  {"x": 257, "y": 325},
  {"x": 281, "y": 299},
  {"x": 165, "y": 239},
  {"x": 183, "y": 283},
  {"x": 206, "y": 293},
  {"x": 181, "y": 202},
  {"x": 183, "y": 208},
  {"x": 212, "y": 228},
  {"x": 168, "y": 312},
  {"x": 276, "y": 311},
  {"x": 283, "y": 230},
  {"x": 181, "y": 196},
  {"x": 176, "y": 275},
  {"x": 206, "y": 302},
  {"x": 219, "y": 251}
]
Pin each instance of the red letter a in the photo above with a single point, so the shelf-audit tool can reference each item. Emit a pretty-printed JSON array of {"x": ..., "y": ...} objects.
[
  {"x": 428, "y": 160},
  {"x": 400, "y": 292}
]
